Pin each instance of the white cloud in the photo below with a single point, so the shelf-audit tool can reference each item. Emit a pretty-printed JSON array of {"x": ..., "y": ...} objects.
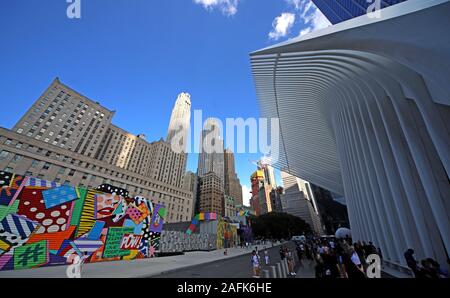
[
  {"x": 228, "y": 7},
  {"x": 295, "y": 3},
  {"x": 311, "y": 17},
  {"x": 246, "y": 194},
  {"x": 282, "y": 25}
]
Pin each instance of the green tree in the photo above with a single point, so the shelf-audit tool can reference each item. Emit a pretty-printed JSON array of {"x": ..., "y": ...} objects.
[{"x": 276, "y": 225}]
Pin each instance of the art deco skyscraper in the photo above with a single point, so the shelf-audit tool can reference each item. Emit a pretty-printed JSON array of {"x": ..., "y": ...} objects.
[
  {"x": 233, "y": 187},
  {"x": 211, "y": 158},
  {"x": 179, "y": 123}
]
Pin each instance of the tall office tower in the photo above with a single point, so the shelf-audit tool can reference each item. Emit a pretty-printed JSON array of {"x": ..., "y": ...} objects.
[
  {"x": 263, "y": 182},
  {"x": 233, "y": 187},
  {"x": 275, "y": 198},
  {"x": 190, "y": 183},
  {"x": 298, "y": 200},
  {"x": 64, "y": 118},
  {"x": 337, "y": 11},
  {"x": 67, "y": 138},
  {"x": 180, "y": 122},
  {"x": 211, "y": 158},
  {"x": 333, "y": 212},
  {"x": 269, "y": 174},
  {"x": 211, "y": 196},
  {"x": 259, "y": 201}
]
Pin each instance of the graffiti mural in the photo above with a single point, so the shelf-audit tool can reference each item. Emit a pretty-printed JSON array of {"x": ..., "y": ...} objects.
[
  {"x": 43, "y": 223},
  {"x": 198, "y": 218},
  {"x": 226, "y": 235}
]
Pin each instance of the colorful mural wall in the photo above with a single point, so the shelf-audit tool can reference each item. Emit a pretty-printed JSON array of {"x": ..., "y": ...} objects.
[
  {"x": 226, "y": 235},
  {"x": 198, "y": 218},
  {"x": 43, "y": 223}
]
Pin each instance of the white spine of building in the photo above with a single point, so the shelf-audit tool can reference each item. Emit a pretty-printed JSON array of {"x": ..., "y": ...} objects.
[{"x": 364, "y": 109}]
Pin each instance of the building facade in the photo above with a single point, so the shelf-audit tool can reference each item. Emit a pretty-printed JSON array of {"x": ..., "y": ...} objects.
[
  {"x": 229, "y": 207},
  {"x": 364, "y": 108},
  {"x": 180, "y": 121},
  {"x": 263, "y": 184},
  {"x": 211, "y": 195},
  {"x": 275, "y": 198},
  {"x": 190, "y": 184},
  {"x": 167, "y": 165},
  {"x": 233, "y": 187},
  {"x": 298, "y": 200},
  {"x": 211, "y": 157},
  {"x": 340, "y": 11},
  {"x": 67, "y": 138}
]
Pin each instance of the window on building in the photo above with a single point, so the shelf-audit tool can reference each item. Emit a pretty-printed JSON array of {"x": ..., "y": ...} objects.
[
  {"x": 46, "y": 166},
  {"x": 3, "y": 154},
  {"x": 17, "y": 158}
]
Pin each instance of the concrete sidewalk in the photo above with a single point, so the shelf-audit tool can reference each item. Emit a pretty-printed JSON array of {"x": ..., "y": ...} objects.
[{"x": 131, "y": 269}]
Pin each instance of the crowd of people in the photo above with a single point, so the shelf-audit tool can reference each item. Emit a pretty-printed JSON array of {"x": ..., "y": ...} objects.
[
  {"x": 340, "y": 258},
  {"x": 427, "y": 268},
  {"x": 337, "y": 258},
  {"x": 285, "y": 253}
]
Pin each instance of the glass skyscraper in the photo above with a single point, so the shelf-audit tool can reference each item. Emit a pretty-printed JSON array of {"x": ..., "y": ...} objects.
[{"x": 338, "y": 11}]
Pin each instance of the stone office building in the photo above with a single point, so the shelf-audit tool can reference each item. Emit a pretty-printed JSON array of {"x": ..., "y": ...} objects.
[{"x": 68, "y": 138}]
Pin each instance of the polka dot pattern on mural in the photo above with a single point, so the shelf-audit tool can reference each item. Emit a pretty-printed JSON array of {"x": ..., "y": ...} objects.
[{"x": 52, "y": 220}]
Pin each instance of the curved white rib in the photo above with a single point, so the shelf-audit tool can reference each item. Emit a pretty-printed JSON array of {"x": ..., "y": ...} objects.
[{"x": 365, "y": 124}]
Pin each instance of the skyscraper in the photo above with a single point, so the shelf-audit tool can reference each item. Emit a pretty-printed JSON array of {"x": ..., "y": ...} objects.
[
  {"x": 338, "y": 11},
  {"x": 211, "y": 195},
  {"x": 233, "y": 187},
  {"x": 298, "y": 200},
  {"x": 179, "y": 123},
  {"x": 211, "y": 158},
  {"x": 269, "y": 174},
  {"x": 68, "y": 138}
]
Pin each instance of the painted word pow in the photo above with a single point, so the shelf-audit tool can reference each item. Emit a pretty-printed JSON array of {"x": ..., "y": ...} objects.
[{"x": 43, "y": 223}]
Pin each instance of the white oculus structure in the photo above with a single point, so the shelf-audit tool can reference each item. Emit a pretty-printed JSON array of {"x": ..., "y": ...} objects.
[{"x": 364, "y": 110}]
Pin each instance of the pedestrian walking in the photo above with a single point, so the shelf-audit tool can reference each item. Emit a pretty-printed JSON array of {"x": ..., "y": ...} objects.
[
  {"x": 291, "y": 262},
  {"x": 266, "y": 256},
  {"x": 256, "y": 265}
]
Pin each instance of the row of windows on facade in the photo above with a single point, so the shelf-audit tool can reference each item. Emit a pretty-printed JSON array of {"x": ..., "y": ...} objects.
[
  {"x": 45, "y": 166},
  {"x": 46, "y": 113},
  {"x": 63, "y": 158}
]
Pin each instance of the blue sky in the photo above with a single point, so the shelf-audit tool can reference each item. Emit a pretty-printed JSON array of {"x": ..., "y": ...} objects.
[{"x": 135, "y": 56}]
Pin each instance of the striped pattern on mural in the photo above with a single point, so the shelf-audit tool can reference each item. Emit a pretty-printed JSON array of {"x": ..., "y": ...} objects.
[
  {"x": 88, "y": 214},
  {"x": 35, "y": 182},
  {"x": 17, "y": 225}
]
